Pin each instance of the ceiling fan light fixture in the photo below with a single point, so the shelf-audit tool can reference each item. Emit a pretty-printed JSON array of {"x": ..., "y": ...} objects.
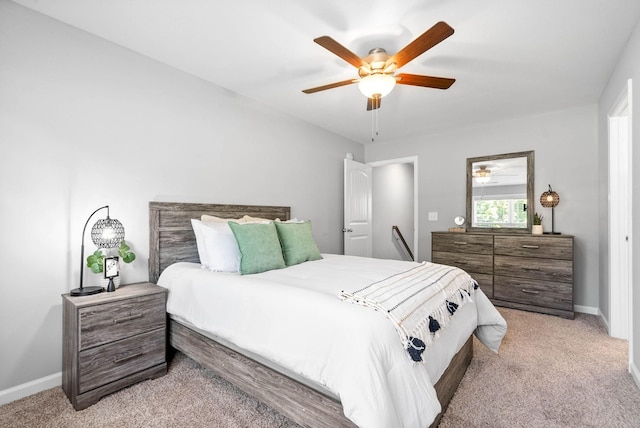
[
  {"x": 376, "y": 85},
  {"x": 483, "y": 175}
]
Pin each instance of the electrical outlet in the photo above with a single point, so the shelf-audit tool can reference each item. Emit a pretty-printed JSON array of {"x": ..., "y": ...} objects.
[{"x": 433, "y": 216}]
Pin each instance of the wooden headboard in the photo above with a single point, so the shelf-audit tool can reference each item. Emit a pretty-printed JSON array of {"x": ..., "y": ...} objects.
[{"x": 171, "y": 237}]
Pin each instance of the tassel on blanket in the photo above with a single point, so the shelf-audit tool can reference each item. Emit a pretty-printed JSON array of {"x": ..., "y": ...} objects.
[
  {"x": 415, "y": 348},
  {"x": 475, "y": 284},
  {"x": 434, "y": 325},
  {"x": 451, "y": 307}
]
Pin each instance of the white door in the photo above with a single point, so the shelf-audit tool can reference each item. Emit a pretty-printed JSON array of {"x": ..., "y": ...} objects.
[
  {"x": 357, "y": 209},
  {"x": 619, "y": 217}
]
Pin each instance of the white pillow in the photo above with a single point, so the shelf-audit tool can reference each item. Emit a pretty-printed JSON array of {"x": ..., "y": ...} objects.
[
  {"x": 202, "y": 251},
  {"x": 293, "y": 220},
  {"x": 223, "y": 254},
  {"x": 209, "y": 219}
]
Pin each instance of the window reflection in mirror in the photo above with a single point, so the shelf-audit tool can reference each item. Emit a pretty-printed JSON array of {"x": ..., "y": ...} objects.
[{"x": 499, "y": 191}]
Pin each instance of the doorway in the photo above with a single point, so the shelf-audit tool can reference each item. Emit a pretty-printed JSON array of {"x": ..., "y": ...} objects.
[{"x": 400, "y": 202}]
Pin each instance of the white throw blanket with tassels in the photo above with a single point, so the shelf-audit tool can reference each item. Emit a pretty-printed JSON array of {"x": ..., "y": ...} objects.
[{"x": 418, "y": 302}]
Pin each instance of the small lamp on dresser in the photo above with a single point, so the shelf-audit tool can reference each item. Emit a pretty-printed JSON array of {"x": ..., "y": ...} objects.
[
  {"x": 106, "y": 233},
  {"x": 550, "y": 199}
]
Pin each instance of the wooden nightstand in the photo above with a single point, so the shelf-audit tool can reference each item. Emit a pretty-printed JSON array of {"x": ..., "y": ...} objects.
[{"x": 112, "y": 340}]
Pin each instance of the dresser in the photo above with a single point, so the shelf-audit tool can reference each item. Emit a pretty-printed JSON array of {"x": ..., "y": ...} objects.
[
  {"x": 521, "y": 271},
  {"x": 470, "y": 252},
  {"x": 112, "y": 340}
]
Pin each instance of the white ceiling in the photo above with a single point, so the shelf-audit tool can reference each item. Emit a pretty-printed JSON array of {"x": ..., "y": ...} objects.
[{"x": 509, "y": 57}]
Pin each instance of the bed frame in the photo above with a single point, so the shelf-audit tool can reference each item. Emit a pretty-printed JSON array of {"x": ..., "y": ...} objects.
[{"x": 171, "y": 240}]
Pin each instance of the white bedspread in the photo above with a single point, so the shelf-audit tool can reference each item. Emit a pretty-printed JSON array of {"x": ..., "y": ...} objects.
[{"x": 294, "y": 318}]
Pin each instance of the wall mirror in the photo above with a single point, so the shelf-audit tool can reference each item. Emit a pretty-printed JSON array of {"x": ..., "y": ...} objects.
[{"x": 500, "y": 193}]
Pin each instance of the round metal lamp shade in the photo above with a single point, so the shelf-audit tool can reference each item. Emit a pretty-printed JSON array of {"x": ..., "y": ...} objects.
[
  {"x": 107, "y": 233},
  {"x": 549, "y": 199}
]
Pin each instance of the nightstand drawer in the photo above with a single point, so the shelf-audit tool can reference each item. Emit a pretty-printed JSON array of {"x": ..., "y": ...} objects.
[
  {"x": 107, "y": 363},
  {"x": 539, "y": 269},
  {"x": 471, "y": 263},
  {"x": 117, "y": 320},
  {"x": 547, "y": 294}
]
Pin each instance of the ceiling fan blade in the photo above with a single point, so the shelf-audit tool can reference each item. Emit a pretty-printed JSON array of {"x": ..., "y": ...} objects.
[
  {"x": 331, "y": 45},
  {"x": 426, "y": 41},
  {"x": 427, "y": 81},
  {"x": 373, "y": 103},
  {"x": 329, "y": 86}
]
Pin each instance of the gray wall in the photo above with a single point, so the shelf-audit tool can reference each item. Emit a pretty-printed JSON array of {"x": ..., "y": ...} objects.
[
  {"x": 566, "y": 156},
  {"x": 392, "y": 205},
  {"x": 85, "y": 123},
  {"x": 627, "y": 68}
]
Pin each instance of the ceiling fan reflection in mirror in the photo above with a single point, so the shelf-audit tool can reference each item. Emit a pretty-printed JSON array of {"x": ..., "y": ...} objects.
[
  {"x": 500, "y": 173},
  {"x": 482, "y": 175},
  {"x": 376, "y": 72}
]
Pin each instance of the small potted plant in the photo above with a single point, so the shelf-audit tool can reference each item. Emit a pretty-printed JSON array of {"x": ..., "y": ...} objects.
[
  {"x": 536, "y": 229},
  {"x": 95, "y": 261}
]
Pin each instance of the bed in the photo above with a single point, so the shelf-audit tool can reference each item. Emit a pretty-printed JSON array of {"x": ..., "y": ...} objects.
[{"x": 173, "y": 248}]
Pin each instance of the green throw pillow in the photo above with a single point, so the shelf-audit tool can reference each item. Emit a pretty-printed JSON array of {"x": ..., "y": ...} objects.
[
  {"x": 297, "y": 242},
  {"x": 259, "y": 247}
]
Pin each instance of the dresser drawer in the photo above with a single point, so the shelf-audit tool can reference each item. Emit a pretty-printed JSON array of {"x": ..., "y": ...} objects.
[
  {"x": 104, "y": 364},
  {"x": 471, "y": 263},
  {"x": 547, "y": 247},
  {"x": 485, "y": 282},
  {"x": 462, "y": 243},
  {"x": 547, "y": 294},
  {"x": 113, "y": 321},
  {"x": 532, "y": 268}
]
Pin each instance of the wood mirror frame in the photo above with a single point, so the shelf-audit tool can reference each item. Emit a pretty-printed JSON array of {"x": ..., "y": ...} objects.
[{"x": 497, "y": 159}]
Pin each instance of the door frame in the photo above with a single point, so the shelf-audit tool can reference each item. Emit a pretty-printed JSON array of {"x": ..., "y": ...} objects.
[
  {"x": 620, "y": 202},
  {"x": 412, "y": 160}
]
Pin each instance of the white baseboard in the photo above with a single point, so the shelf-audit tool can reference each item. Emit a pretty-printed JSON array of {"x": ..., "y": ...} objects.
[
  {"x": 29, "y": 388},
  {"x": 635, "y": 374},
  {"x": 586, "y": 309}
]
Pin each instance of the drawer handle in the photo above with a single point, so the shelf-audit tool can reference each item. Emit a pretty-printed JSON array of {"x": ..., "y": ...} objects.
[
  {"x": 127, "y": 358},
  {"x": 460, "y": 262},
  {"x": 531, "y": 268},
  {"x": 531, "y": 247},
  {"x": 524, "y": 290},
  {"x": 460, "y": 243},
  {"x": 129, "y": 318}
]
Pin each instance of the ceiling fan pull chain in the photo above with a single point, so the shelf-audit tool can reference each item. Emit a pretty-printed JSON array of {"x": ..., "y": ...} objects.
[
  {"x": 374, "y": 124},
  {"x": 373, "y": 127}
]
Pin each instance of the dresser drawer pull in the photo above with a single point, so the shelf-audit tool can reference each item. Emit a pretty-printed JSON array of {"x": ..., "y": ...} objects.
[
  {"x": 127, "y": 358},
  {"x": 531, "y": 268},
  {"x": 460, "y": 262},
  {"x": 460, "y": 243},
  {"x": 129, "y": 318},
  {"x": 531, "y": 247},
  {"x": 524, "y": 290}
]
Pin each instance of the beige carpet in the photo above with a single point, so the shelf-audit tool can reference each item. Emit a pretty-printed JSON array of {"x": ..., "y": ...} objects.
[{"x": 550, "y": 372}]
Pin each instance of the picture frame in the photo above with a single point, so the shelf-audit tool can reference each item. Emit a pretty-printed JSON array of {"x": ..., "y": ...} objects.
[{"x": 111, "y": 267}]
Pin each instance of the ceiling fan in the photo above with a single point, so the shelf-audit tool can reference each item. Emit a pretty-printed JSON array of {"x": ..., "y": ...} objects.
[
  {"x": 482, "y": 175},
  {"x": 377, "y": 70}
]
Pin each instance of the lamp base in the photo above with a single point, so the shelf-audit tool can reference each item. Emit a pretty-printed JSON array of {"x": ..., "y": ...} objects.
[{"x": 86, "y": 291}]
